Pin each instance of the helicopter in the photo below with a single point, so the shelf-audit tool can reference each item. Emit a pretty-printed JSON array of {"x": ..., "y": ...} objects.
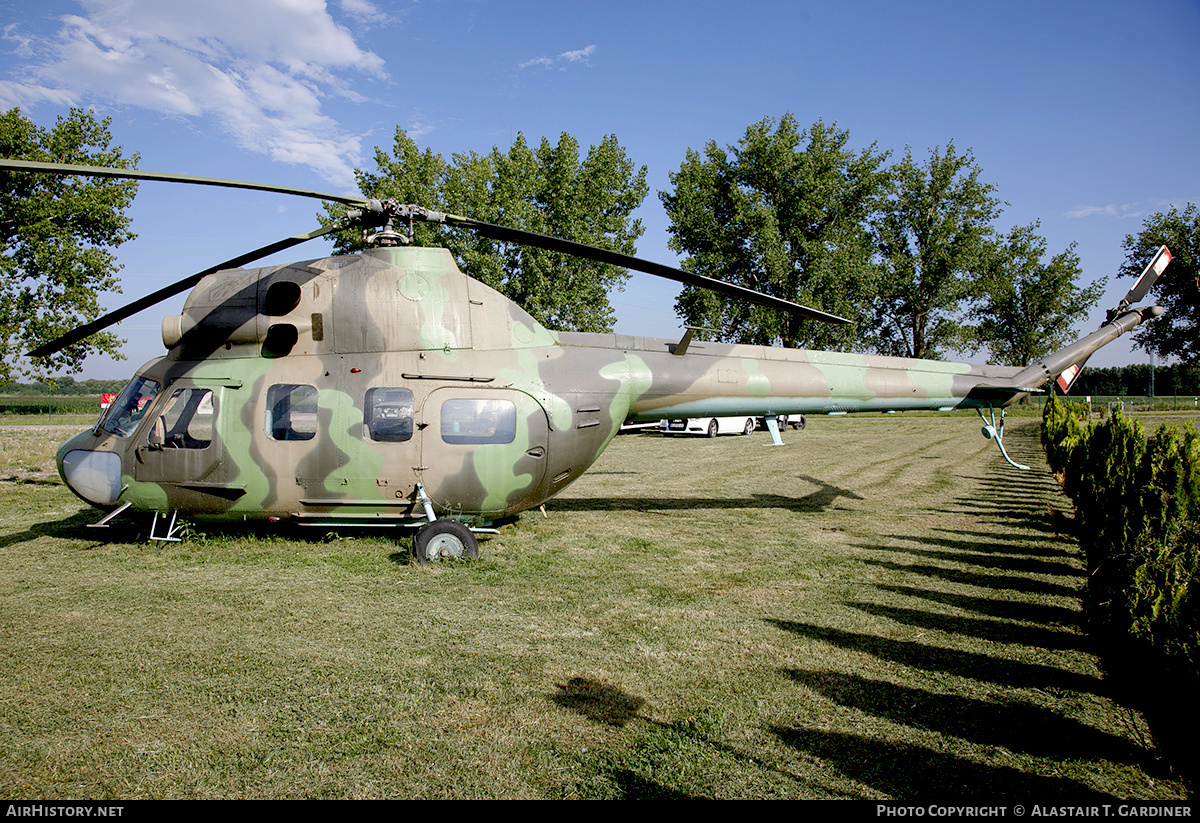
[{"x": 388, "y": 388}]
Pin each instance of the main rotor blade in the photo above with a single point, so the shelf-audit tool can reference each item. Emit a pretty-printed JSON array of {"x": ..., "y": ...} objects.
[
  {"x": 114, "y": 317},
  {"x": 380, "y": 212},
  {"x": 136, "y": 174},
  {"x": 625, "y": 261}
]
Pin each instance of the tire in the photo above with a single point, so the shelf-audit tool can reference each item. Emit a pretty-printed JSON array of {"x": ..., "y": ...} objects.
[
  {"x": 749, "y": 427},
  {"x": 712, "y": 427},
  {"x": 798, "y": 423},
  {"x": 444, "y": 540}
]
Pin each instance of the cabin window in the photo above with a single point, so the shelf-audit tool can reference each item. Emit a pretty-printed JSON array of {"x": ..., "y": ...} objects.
[
  {"x": 292, "y": 411},
  {"x": 479, "y": 421},
  {"x": 185, "y": 421},
  {"x": 124, "y": 414},
  {"x": 388, "y": 414}
]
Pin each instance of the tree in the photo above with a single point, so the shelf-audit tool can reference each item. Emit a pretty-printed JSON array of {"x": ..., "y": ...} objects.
[
  {"x": 549, "y": 191},
  {"x": 785, "y": 212},
  {"x": 1028, "y": 308},
  {"x": 56, "y": 237},
  {"x": 933, "y": 241},
  {"x": 1177, "y": 332}
]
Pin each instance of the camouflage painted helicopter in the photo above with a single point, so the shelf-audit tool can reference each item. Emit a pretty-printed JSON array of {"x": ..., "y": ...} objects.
[{"x": 388, "y": 388}]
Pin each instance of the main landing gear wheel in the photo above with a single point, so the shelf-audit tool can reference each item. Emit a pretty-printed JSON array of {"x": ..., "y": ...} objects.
[
  {"x": 712, "y": 428},
  {"x": 444, "y": 540}
]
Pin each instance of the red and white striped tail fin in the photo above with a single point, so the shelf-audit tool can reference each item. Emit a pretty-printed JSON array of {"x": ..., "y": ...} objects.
[{"x": 1067, "y": 379}]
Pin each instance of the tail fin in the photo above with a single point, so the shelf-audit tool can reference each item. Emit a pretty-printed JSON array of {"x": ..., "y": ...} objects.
[{"x": 1067, "y": 379}]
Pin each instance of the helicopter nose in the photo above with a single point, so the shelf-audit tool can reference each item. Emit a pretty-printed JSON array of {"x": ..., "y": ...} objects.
[{"x": 94, "y": 476}]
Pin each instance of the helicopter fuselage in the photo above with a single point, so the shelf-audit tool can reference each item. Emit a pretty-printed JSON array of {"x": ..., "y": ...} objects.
[{"x": 352, "y": 390}]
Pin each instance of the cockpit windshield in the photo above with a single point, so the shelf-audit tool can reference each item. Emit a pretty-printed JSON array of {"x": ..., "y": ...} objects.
[{"x": 125, "y": 412}]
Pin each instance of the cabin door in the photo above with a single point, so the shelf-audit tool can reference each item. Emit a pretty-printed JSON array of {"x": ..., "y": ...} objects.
[{"x": 483, "y": 451}]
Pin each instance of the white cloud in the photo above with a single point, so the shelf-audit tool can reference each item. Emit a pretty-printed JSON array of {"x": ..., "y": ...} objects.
[
  {"x": 22, "y": 45},
  {"x": 545, "y": 62},
  {"x": 263, "y": 69},
  {"x": 418, "y": 128},
  {"x": 365, "y": 12},
  {"x": 575, "y": 56},
  {"x": 1124, "y": 210}
]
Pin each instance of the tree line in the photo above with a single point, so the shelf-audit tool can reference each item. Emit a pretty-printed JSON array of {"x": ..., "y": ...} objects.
[
  {"x": 909, "y": 252},
  {"x": 1137, "y": 380},
  {"x": 61, "y": 386},
  {"x": 909, "y": 248}
]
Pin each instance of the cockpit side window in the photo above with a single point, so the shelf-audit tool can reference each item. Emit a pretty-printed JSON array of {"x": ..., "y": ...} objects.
[
  {"x": 125, "y": 413},
  {"x": 292, "y": 411}
]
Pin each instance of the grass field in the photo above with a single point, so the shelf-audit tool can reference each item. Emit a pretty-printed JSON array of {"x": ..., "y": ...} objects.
[{"x": 880, "y": 609}]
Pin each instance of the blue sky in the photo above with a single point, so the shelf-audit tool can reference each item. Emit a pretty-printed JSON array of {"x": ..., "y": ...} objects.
[{"x": 1083, "y": 114}]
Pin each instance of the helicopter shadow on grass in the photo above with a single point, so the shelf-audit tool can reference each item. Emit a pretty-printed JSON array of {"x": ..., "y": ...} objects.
[
  {"x": 79, "y": 526},
  {"x": 821, "y": 500}
]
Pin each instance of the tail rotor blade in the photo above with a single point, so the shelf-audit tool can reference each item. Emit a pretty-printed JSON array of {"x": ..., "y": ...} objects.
[{"x": 1148, "y": 277}]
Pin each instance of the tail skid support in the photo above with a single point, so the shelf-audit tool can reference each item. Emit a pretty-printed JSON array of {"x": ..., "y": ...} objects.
[
  {"x": 773, "y": 427},
  {"x": 994, "y": 430}
]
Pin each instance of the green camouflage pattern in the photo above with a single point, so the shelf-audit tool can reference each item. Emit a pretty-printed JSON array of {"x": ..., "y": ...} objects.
[{"x": 502, "y": 413}]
